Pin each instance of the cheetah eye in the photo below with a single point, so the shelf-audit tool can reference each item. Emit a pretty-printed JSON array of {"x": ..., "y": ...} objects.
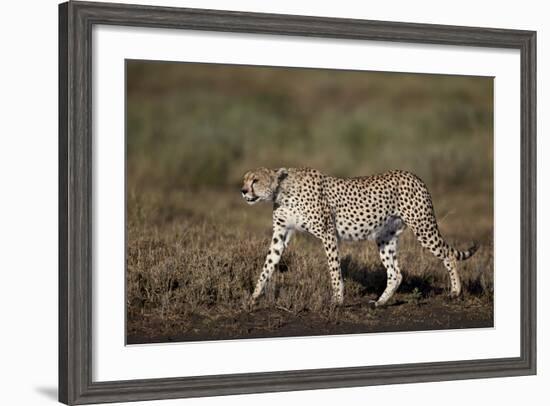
[{"x": 254, "y": 181}]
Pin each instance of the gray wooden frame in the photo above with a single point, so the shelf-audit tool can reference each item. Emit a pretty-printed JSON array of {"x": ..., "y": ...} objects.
[{"x": 76, "y": 20}]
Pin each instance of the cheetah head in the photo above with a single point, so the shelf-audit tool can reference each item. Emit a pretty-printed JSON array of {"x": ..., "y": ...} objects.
[{"x": 261, "y": 184}]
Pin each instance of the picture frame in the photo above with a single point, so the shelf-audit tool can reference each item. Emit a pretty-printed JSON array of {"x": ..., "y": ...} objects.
[{"x": 76, "y": 20}]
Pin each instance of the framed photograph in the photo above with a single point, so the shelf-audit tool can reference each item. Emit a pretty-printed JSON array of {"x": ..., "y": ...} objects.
[{"x": 257, "y": 202}]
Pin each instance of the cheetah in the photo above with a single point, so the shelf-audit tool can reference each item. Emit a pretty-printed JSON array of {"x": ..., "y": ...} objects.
[{"x": 377, "y": 207}]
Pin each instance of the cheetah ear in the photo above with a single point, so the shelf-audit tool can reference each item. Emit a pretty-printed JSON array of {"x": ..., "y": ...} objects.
[{"x": 281, "y": 173}]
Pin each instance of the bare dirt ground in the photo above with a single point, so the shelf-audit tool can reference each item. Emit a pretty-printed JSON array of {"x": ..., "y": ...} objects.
[{"x": 405, "y": 314}]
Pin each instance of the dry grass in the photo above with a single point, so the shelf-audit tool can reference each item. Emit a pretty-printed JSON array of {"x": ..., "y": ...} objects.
[{"x": 192, "y": 269}]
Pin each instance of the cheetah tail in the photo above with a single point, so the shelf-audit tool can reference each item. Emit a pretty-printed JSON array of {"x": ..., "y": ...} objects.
[{"x": 462, "y": 255}]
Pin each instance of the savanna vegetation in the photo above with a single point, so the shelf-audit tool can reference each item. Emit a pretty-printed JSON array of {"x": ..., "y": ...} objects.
[{"x": 195, "y": 248}]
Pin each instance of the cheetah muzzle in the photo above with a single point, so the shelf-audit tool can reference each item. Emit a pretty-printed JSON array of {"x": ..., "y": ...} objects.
[{"x": 378, "y": 208}]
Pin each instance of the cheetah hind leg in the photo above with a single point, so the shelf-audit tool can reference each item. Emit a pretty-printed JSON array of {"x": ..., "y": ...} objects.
[
  {"x": 440, "y": 249},
  {"x": 387, "y": 247},
  {"x": 456, "y": 286}
]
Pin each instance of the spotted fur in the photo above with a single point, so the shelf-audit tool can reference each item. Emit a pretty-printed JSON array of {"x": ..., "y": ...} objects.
[{"x": 378, "y": 208}]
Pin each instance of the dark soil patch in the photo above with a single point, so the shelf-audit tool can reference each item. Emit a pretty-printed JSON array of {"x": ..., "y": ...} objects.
[{"x": 405, "y": 313}]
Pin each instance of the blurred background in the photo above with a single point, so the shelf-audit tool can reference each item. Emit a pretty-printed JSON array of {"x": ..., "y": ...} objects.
[
  {"x": 195, "y": 248},
  {"x": 204, "y": 125}
]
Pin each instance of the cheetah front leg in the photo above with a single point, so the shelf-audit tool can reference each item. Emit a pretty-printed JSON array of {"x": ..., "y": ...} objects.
[
  {"x": 330, "y": 243},
  {"x": 278, "y": 243}
]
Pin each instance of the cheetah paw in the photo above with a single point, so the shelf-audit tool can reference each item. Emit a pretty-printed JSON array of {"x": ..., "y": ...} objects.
[
  {"x": 252, "y": 302},
  {"x": 337, "y": 300}
]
